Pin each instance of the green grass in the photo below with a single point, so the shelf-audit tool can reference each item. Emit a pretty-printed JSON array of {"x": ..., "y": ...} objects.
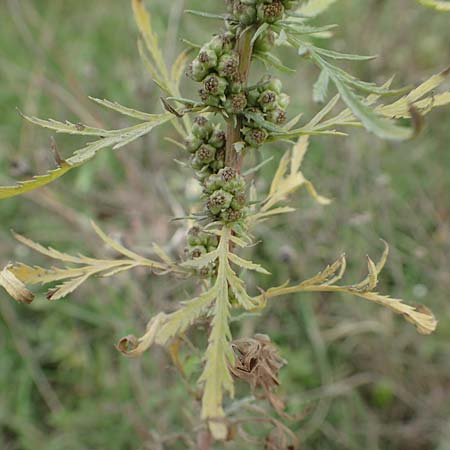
[{"x": 362, "y": 377}]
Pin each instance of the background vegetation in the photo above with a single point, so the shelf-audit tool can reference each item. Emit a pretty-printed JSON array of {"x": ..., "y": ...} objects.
[{"x": 363, "y": 378}]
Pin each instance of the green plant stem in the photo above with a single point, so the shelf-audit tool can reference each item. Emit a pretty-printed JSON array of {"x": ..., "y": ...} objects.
[{"x": 245, "y": 49}]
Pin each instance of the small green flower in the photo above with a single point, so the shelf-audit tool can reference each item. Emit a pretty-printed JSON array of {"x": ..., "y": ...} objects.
[
  {"x": 265, "y": 42},
  {"x": 214, "y": 85},
  {"x": 244, "y": 13},
  {"x": 255, "y": 137},
  {"x": 196, "y": 71},
  {"x": 221, "y": 43},
  {"x": 207, "y": 58},
  {"x": 209, "y": 99},
  {"x": 192, "y": 143},
  {"x": 228, "y": 66},
  {"x": 270, "y": 12},
  {"x": 219, "y": 201},
  {"x": 268, "y": 100},
  {"x": 197, "y": 251},
  {"x": 218, "y": 138},
  {"x": 202, "y": 128},
  {"x": 204, "y": 155},
  {"x": 283, "y": 101},
  {"x": 231, "y": 215},
  {"x": 236, "y": 103},
  {"x": 277, "y": 116}
]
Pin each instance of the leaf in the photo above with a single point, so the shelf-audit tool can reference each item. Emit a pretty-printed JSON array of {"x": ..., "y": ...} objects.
[
  {"x": 440, "y": 5},
  {"x": 320, "y": 88},
  {"x": 15, "y": 288},
  {"x": 134, "y": 113},
  {"x": 244, "y": 264},
  {"x": 114, "y": 138},
  {"x": 324, "y": 281}
]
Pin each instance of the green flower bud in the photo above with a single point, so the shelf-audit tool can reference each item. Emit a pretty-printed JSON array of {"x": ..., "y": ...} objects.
[
  {"x": 252, "y": 97},
  {"x": 219, "y": 162},
  {"x": 202, "y": 128},
  {"x": 205, "y": 155},
  {"x": 238, "y": 201},
  {"x": 218, "y": 138},
  {"x": 221, "y": 43},
  {"x": 283, "y": 101},
  {"x": 197, "y": 251},
  {"x": 196, "y": 71},
  {"x": 255, "y": 137},
  {"x": 204, "y": 173},
  {"x": 244, "y": 13},
  {"x": 236, "y": 103},
  {"x": 277, "y": 116},
  {"x": 231, "y": 215},
  {"x": 218, "y": 201},
  {"x": 268, "y": 100},
  {"x": 237, "y": 86},
  {"x": 213, "y": 183},
  {"x": 227, "y": 174},
  {"x": 192, "y": 143},
  {"x": 266, "y": 41},
  {"x": 209, "y": 99},
  {"x": 275, "y": 85},
  {"x": 228, "y": 66},
  {"x": 214, "y": 85},
  {"x": 207, "y": 58},
  {"x": 194, "y": 236},
  {"x": 270, "y": 12}
]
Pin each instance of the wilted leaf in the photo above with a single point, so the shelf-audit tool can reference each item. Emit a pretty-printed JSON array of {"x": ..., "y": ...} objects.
[{"x": 15, "y": 288}]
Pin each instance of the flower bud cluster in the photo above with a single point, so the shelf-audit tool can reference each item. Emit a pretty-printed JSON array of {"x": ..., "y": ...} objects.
[
  {"x": 198, "y": 244},
  {"x": 206, "y": 144},
  {"x": 217, "y": 68},
  {"x": 249, "y": 12},
  {"x": 269, "y": 103},
  {"x": 225, "y": 194}
]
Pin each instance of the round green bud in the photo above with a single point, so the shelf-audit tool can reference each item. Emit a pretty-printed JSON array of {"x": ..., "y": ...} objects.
[
  {"x": 255, "y": 137},
  {"x": 221, "y": 43},
  {"x": 192, "y": 143},
  {"x": 197, "y": 251},
  {"x": 238, "y": 201},
  {"x": 204, "y": 155},
  {"x": 244, "y": 13},
  {"x": 283, "y": 101},
  {"x": 227, "y": 174},
  {"x": 207, "y": 58},
  {"x": 202, "y": 128},
  {"x": 219, "y": 201},
  {"x": 218, "y": 138},
  {"x": 194, "y": 236},
  {"x": 196, "y": 71},
  {"x": 268, "y": 100},
  {"x": 231, "y": 215},
  {"x": 265, "y": 42},
  {"x": 209, "y": 99},
  {"x": 270, "y": 12},
  {"x": 214, "y": 85},
  {"x": 236, "y": 103},
  {"x": 275, "y": 85},
  {"x": 228, "y": 66},
  {"x": 277, "y": 116},
  {"x": 213, "y": 183}
]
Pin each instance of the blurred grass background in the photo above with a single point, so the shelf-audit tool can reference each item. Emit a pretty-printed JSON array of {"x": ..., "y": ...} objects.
[{"x": 363, "y": 377}]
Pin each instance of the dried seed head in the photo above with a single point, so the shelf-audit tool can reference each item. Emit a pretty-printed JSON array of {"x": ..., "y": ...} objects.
[
  {"x": 231, "y": 215},
  {"x": 197, "y": 251}
]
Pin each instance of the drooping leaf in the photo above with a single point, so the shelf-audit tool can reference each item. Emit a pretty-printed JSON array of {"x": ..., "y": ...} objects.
[{"x": 14, "y": 287}]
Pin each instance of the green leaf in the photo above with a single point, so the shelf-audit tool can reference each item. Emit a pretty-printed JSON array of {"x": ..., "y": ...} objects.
[{"x": 320, "y": 89}]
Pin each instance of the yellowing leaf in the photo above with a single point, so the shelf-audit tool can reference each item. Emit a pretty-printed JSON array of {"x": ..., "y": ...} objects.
[{"x": 15, "y": 288}]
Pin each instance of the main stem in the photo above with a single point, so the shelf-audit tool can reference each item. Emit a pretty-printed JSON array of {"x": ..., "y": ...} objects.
[{"x": 244, "y": 48}]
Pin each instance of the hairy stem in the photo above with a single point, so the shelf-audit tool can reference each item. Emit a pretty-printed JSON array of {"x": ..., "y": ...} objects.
[{"x": 244, "y": 48}]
